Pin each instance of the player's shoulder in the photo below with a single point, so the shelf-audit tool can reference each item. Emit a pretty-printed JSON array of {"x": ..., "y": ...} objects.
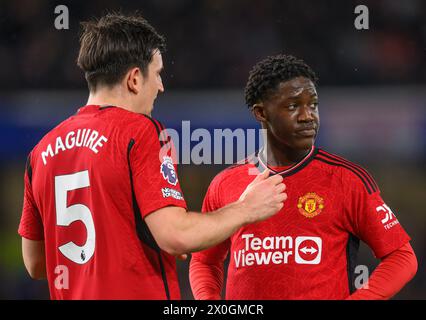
[
  {"x": 147, "y": 129},
  {"x": 139, "y": 127},
  {"x": 348, "y": 171},
  {"x": 127, "y": 123},
  {"x": 150, "y": 122},
  {"x": 154, "y": 124},
  {"x": 136, "y": 122}
]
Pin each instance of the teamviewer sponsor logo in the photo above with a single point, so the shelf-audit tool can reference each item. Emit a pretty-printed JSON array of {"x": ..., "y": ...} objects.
[
  {"x": 278, "y": 250},
  {"x": 308, "y": 250}
]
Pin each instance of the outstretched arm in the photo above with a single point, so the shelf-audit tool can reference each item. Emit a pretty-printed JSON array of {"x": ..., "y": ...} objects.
[{"x": 177, "y": 231}]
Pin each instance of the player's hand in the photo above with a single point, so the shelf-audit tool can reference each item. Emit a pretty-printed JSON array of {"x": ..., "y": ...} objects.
[{"x": 263, "y": 197}]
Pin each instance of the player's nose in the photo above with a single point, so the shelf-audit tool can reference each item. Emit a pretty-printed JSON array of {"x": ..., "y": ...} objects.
[
  {"x": 160, "y": 86},
  {"x": 305, "y": 114}
]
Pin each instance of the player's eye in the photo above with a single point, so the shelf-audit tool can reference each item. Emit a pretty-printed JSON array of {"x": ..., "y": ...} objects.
[
  {"x": 159, "y": 78},
  {"x": 291, "y": 106},
  {"x": 314, "y": 105}
]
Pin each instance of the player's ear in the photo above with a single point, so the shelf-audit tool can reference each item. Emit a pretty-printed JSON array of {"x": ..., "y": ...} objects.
[
  {"x": 258, "y": 111},
  {"x": 133, "y": 80}
]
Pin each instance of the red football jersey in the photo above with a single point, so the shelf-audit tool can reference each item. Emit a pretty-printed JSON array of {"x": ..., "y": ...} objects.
[
  {"x": 308, "y": 249},
  {"x": 89, "y": 184}
]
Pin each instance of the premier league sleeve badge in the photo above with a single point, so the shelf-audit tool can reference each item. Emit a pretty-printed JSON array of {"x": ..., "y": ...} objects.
[{"x": 167, "y": 169}]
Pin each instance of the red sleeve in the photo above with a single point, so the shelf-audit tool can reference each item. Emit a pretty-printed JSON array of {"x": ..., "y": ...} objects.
[
  {"x": 206, "y": 269},
  {"x": 370, "y": 218},
  {"x": 206, "y": 279},
  {"x": 31, "y": 225},
  {"x": 390, "y": 276},
  {"x": 154, "y": 170}
]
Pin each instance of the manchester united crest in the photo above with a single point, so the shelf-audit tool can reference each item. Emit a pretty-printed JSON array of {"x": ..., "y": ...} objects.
[{"x": 310, "y": 205}]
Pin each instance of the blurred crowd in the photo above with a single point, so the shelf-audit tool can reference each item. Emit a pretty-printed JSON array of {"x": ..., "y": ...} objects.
[{"x": 214, "y": 43}]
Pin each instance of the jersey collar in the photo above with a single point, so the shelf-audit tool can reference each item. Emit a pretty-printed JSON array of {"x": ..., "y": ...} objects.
[
  {"x": 90, "y": 108},
  {"x": 261, "y": 164}
]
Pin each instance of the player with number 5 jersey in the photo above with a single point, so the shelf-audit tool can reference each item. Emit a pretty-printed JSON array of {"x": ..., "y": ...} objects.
[
  {"x": 103, "y": 214},
  {"x": 81, "y": 192}
]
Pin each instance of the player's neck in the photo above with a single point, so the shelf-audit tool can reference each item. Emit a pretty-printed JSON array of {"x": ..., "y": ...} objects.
[
  {"x": 109, "y": 97},
  {"x": 279, "y": 156}
]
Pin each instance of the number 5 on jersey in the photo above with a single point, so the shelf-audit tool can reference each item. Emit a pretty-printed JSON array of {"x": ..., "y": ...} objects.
[{"x": 77, "y": 212}]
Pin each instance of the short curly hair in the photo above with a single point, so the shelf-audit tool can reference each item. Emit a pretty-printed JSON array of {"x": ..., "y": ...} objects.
[{"x": 267, "y": 74}]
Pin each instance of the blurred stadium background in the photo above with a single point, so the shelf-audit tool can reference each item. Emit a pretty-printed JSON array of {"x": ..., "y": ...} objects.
[{"x": 372, "y": 94}]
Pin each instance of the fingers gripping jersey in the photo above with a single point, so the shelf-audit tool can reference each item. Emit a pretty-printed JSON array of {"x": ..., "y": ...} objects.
[{"x": 88, "y": 185}]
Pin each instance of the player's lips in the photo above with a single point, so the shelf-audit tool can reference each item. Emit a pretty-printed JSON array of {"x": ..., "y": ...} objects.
[{"x": 307, "y": 131}]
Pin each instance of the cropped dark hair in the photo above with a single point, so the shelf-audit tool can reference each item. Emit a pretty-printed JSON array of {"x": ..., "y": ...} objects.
[
  {"x": 267, "y": 74},
  {"x": 115, "y": 43}
]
